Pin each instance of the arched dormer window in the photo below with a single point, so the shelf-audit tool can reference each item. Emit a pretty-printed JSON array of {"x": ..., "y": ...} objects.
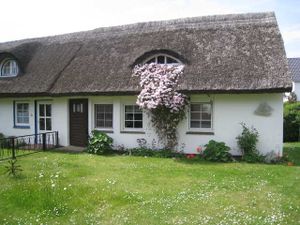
[
  {"x": 9, "y": 68},
  {"x": 162, "y": 59}
]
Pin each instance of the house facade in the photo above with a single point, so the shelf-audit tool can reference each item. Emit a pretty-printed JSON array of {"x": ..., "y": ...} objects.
[
  {"x": 294, "y": 66},
  {"x": 235, "y": 71}
]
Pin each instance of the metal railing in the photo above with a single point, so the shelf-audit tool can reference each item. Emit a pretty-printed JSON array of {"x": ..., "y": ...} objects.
[{"x": 12, "y": 147}]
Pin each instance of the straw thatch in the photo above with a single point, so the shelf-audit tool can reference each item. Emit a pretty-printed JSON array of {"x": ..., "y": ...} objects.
[
  {"x": 231, "y": 53},
  {"x": 294, "y": 66}
]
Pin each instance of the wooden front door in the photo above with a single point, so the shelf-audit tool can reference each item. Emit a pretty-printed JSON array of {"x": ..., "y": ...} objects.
[{"x": 78, "y": 122}]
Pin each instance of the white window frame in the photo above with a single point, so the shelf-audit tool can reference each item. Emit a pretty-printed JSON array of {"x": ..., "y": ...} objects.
[
  {"x": 123, "y": 128},
  {"x": 165, "y": 59},
  {"x": 94, "y": 117},
  {"x": 13, "y": 64},
  {"x": 212, "y": 117},
  {"x": 45, "y": 116},
  {"x": 16, "y": 114}
]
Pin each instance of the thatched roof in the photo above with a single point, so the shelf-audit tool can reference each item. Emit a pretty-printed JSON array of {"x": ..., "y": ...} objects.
[
  {"x": 294, "y": 66},
  {"x": 230, "y": 53}
]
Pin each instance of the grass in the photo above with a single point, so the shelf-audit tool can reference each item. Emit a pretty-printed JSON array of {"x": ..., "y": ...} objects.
[{"x": 57, "y": 188}]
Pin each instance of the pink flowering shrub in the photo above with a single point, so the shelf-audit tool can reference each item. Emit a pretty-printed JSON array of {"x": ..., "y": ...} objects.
[{"x": 159, "y": 97}]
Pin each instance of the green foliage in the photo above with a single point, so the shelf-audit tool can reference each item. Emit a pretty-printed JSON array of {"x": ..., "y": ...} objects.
[
  {"x": 165, "y": 123},
  {"x": 291, "y": 122},
  {"x": 160, "y": 153},
  {"x": 247, "y": 141},
  {"x": 216, "y": 152},
  {"x": 13, "y": 169},
  {"x": 99, "y": 143}
]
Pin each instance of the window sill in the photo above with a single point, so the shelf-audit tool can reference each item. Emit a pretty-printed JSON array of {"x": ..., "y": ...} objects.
[
  {"x": 132, "y": 132},
  {"x": 201, "y": 132},
  {"x": 105, "y": 131},
  {"x": 21, "y": 127}
]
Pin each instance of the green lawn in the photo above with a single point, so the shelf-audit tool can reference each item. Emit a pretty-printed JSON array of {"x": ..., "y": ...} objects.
[{"x": 57, "y": 188}]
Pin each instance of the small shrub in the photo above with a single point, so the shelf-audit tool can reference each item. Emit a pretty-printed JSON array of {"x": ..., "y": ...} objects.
[
  {"x": 13, "y": 169},
  {"x": 160, "y": 153},
  {"x": 99, "y": 143},
  {"x": 216, "y": 152},
  {"x": 141, "y": 151},
  {"x": 291, "y": 122},
  {"x": 247, "y": 141}
]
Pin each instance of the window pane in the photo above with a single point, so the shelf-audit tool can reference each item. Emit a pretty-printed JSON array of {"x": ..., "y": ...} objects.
[
  {"x": 195, "y": 124},
  {"x": 138, "y": 124},
  {"x": 206, "y": 116},
  {"x": 161, "y": 59},
  {"x": 129, "y": 116},
  {"x": 9, "y": 68},
  {"x": 205, "y": 124},
  {"x": 138, "y": 116},
  {"x": 195, "y": 107},
  {"x": 137, "y": 108},
  {"x": 48, "y": 110},
  {"x": 26, "y": 119},
  {"x": 151, "y": 60},
  {"x": 100, "y": 123},
  {"x": 195, "y": 116},
  {"x": 42, "y": 110},
  {"x": 109, "y": 108},
  {"x": 22, "y": 114},
  {"x": 170, "y": 60},
  {"x": 128, "y": 108},
  {"x": 100, "y": 108},
  {"x": 19, "y": 119},
  {"x": 42, "y": 124},
  {"x": 206, "y": 108},
  {"x": 48, "y": 124},
  {"x": 108, "y": 116},
  {"x": 25, "y": 107},
  {"x": 129, "y": 124},
  {"x": 103, "y": 115},
  {"x": 19, "y": 107},
  {"x": 100, "y": 116},
  {"x": 108, "y": 123}
]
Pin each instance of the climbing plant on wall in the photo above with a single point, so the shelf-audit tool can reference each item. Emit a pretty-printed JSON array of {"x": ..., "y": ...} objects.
[{"x": 160, "y": 99}]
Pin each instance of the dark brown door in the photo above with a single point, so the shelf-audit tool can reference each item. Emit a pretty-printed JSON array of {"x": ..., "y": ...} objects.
[{"x": 78, "y": 122}]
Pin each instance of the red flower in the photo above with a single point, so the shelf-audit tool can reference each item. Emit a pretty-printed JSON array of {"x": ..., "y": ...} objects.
[
  {"x": 199, "y": 149},
  {"x": 190, "y": 156}
]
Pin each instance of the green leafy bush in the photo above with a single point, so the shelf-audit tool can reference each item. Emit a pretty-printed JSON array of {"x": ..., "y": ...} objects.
[
  {"x": 247, "y": 141},
  {"x": 291, "y": 122},
  {"x": 216, "y": 152},
  {"x": 99, "y": 143}
]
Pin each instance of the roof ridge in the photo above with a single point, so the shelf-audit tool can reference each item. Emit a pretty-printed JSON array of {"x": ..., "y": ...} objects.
[{"x": 221, "y": 19}]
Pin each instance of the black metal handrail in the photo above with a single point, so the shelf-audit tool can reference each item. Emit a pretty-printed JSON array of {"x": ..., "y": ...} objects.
[{"x": 14, "y": 146}]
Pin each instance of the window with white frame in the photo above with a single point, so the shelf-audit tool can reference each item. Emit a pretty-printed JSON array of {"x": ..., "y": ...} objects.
[
  {"x": 162, "y": 59},
  {"x": 22, "y": 113},
  {"x": 200, "y": 116},
  {"x": 133, "y": 117},
  {"x": 104, "y": 116},
  {"x": 45, "y": 117},
  {"x": 9, "y": 68}
]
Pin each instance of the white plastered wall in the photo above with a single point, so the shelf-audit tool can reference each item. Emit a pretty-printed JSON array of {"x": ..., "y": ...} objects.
[{"x": 228, "y": 112}]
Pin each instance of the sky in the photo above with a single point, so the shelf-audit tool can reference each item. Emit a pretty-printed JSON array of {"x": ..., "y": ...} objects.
[{"x": 22, "y": 19}]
